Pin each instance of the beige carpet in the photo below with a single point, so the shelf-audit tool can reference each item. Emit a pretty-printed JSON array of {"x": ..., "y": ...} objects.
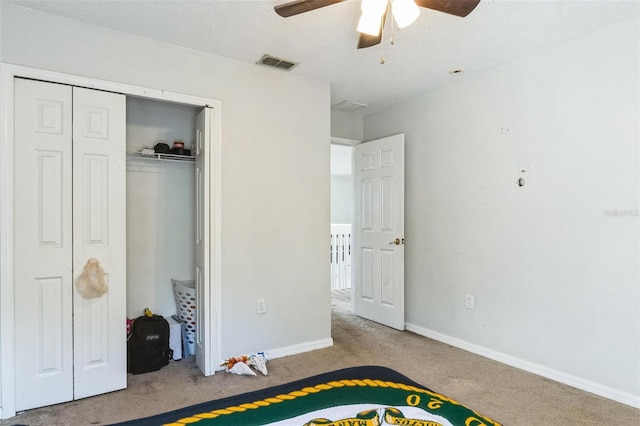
[{"x": 506, "y": 394}]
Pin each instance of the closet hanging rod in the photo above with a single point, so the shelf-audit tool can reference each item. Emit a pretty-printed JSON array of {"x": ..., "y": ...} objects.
[{"x": 158, "y": 157}]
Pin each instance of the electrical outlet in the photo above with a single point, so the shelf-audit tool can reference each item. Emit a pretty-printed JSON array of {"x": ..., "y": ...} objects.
[
  {"x": 262, "y": 307},
  {"x": 470, "y": 301}
]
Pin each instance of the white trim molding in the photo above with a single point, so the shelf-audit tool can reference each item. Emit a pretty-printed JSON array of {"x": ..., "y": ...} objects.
[
  {"x": 301, "y": 348},
  {"x": 343, "y": 141},
  {"x": 7, "y": 315},
  {"x": 549, "y": 373},
  {"x": 7, "y": 310}
]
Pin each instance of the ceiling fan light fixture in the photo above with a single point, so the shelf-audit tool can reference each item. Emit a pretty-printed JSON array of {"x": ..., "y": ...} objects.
[
  {"x": 405, "y": 12},
  {"x": 374, "y": 7},
  {"x": 369, "y": 24}
]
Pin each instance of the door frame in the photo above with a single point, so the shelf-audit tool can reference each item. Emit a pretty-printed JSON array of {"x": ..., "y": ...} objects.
[
  {"x": 7, "y": 309},
  {"x": 352, "y": 143}
]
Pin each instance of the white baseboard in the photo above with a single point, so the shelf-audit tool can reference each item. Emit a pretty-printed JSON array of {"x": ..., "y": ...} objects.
[
  {"x": 301, "y": 348},
  {"x": 558, "y": 376},
  {"x": 296, "y": 349}
]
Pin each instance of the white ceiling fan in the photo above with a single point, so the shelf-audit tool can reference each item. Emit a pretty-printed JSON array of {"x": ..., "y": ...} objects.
[{"x": 374, "y": 13}]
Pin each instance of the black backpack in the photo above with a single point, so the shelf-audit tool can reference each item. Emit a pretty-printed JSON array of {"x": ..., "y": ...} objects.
[{"x": 148, "y": 345}]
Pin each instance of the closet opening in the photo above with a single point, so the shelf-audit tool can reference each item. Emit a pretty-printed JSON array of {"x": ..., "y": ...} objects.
[
  {"x": 160, "y": 205},
  {"x": 172, "y": 216}
]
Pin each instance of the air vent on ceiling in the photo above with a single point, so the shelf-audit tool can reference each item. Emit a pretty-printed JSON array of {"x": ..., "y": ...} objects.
[
  {"x": 272, "y": 61},
  {"x": 348, "y": 106}
]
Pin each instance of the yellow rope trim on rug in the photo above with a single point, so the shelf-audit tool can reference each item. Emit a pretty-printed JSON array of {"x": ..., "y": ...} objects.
[{"x": 434, "y": 403}]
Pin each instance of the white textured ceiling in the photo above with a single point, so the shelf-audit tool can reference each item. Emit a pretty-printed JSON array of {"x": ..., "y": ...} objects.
[{"x": 497, "y": 32}]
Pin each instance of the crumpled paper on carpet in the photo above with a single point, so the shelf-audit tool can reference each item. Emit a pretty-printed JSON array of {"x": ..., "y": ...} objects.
[
  {"x": 241, "y": 369},
  {"x": 242, "y": 364},
  {"x": 259, "y": 362}
]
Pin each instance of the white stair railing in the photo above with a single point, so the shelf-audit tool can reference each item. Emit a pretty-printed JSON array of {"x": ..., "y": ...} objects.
[{"x": 340, "y": 256}]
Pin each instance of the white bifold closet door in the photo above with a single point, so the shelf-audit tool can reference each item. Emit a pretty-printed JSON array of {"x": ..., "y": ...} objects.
[{"x": 69, "y": 207}]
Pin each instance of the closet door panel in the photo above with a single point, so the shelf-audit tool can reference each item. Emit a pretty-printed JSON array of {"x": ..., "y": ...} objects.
[
  {"x": 43, "y": 244},
  {"x": 202, "y": 259},
  {"x": 99, "y": 232},
  {"x": 95, "y": 196}
]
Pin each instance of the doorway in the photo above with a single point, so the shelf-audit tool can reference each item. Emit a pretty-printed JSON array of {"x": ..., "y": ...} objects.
[
  {"x": 341, "y": 217},
  {"x": 376, "y": 241}
]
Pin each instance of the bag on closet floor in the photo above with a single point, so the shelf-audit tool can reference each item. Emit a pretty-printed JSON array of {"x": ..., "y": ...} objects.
[{"x": 148, "y": 346}]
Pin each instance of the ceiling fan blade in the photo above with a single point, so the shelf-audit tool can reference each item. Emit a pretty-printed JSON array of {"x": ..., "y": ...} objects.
[
  {"x": 453, "y": 7},
  {"x": 366, "y": 40},
  {"x": 300, "y": 6}
]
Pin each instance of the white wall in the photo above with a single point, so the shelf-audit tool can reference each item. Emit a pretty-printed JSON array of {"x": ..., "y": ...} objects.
[
  {"x": 346, "y": 125},
  {"x": 341, "y": 198},
  {"x": 553, "y": 267},
  {"x": 341, "y": 184},
  {"x": 275, "y": 163},
  {"x": 160, "y": 206}
]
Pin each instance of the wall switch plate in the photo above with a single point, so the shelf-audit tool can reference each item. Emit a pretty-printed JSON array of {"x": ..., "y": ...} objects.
[
  {"x": 262, "y": 307},
  {"x": 470, "y": 301}
]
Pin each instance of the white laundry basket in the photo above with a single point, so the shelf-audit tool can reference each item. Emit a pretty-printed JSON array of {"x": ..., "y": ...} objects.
[{"x": 184, "y": 292}]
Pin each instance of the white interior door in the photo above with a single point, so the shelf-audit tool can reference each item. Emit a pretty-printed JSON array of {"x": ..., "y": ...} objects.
[
  {"x": 43, "y": 244},
  {"x": 99, "y": 230},
  {"x": 378, "y": 231},
  {"x": 203, "y": 229}
]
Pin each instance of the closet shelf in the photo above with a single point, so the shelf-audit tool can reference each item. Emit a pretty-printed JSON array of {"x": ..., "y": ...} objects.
[{"x": 160, "y": 157}]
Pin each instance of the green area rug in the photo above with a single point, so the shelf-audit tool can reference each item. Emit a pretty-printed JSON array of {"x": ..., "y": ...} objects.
[{"x": 359, "y": 396}]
